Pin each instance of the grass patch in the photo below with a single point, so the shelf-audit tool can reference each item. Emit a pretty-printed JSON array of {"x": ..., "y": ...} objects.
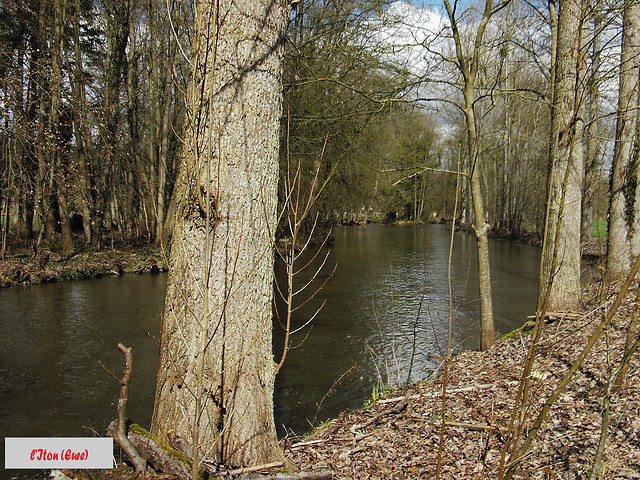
[
  {"x": 377, "y": 393},
  {"x": 599, "y": 229}
]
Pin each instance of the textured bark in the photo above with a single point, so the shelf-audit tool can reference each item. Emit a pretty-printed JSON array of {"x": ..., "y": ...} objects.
[
  {"x": 623, "y": 202},
  {"x": 567, "y": 160},
  {"x": 481, "y": 228},
  {"x": 163, "y": 152},
  {"x": 216, "y": 375}
]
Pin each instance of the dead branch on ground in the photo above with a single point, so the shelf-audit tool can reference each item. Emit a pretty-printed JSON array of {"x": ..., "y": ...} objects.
[{"x": 119, "y": 433}]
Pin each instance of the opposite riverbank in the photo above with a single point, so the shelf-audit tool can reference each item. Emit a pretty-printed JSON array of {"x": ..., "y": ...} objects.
[
  {"x": 29, "y": 269},
  {"x": 22, "y": 267}
]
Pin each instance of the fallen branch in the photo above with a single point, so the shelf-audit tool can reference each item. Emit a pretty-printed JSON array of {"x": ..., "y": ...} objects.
[
  {"x": 293, "y": 476},
  {"x": 119, "y": 434},
  {"x": 276, "y": 476},
  {"x": 257, "y": 468},
  {"x": 559, "y": 315},
  {"x": 449, "y": 392},
  {"x": 162, "y": 457},
  {"x": 397, "y": 399},
  {"x": 397, "y": 408},
  {"x": 310, "y": 442}
]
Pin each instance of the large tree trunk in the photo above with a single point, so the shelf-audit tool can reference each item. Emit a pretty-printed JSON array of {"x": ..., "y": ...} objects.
[
  {"x": 624, "y": 171},
  {"x": 216, "y": 375},
  {"x": 562, "y": 257}
]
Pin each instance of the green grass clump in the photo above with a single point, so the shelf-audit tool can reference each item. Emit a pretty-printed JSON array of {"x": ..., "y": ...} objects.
[
  {"x": 599, "y": 229},
  {"x": 377, "y": 392}
]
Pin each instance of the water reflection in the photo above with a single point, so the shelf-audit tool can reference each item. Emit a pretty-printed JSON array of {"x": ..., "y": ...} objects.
[
  {"x": 52, "y": 341},
  {"x": 389, "y": 292}
]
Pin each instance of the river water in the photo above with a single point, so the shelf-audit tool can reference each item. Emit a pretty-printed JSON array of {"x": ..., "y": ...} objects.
[{"x": 387, "y": 303}]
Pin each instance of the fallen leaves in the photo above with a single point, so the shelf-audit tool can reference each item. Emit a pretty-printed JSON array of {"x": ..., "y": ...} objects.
[{"x": 380, "y": 442}]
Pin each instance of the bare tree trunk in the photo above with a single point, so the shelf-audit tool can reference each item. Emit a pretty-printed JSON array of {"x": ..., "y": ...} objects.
[
  {"x": 468, "y": 64},
  {"x": 58, "y": 150},
  {"x": 141, "y": 178},
  {"x": 593, "y": 149},
  {"x": 155, "y": 116},
  {"x": 216, "y": 375},
  {"x": 82, "y": 131},
  {"x": 117, "y": 36},
  {"x": 566, "y": 175},
  {"x": 43, "y": 188},
  {"x": 623, "y": 201},
  {"x": 481, "y": 229},
  {"x": 163, "y": 153}
]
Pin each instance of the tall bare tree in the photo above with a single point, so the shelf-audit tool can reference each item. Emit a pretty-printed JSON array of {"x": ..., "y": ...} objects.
[
  {"x": 592, "y": 163},
  {"x": 117, "y": 33},
  {"x": 567, "y": 150},
  {"x": 216, "y": 375},
  {"x": 468, "y": 62},
  {"x": 624, "y": 199}
]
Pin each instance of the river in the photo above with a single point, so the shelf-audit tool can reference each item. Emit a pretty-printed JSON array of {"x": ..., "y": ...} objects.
[{"x": 387, "y": 302}]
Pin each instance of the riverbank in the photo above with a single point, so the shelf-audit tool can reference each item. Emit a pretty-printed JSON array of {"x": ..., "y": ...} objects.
[
  {"x": 398, "y": 437},
  {"x": 392, "y": 440},
  {"x": 28, "y": 269},
  {"x": 22, "y": 267}
]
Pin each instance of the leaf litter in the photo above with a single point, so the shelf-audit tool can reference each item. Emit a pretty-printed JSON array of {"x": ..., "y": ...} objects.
[{"x": 398, "y": 437}]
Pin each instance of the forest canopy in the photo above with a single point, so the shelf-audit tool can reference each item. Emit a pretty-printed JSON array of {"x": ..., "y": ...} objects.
[{"x": 92, "y": 97}]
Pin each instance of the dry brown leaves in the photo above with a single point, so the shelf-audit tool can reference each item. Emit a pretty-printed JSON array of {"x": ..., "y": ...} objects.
[{"x": 378, "y": 443}]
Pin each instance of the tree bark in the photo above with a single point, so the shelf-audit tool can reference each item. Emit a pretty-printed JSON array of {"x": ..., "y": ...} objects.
[
  {"x": 623, "y": 202},
  {"x": 593, "y": 150},
  {"x": 163, "y": 151},
  {"x": 216, "y": 375},
  {"x": 468, "y": 65},
  {"x": 567, "y": 160}
]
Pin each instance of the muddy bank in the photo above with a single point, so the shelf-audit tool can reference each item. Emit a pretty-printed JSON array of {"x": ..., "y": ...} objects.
[{"x": 52, "y": 267}]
